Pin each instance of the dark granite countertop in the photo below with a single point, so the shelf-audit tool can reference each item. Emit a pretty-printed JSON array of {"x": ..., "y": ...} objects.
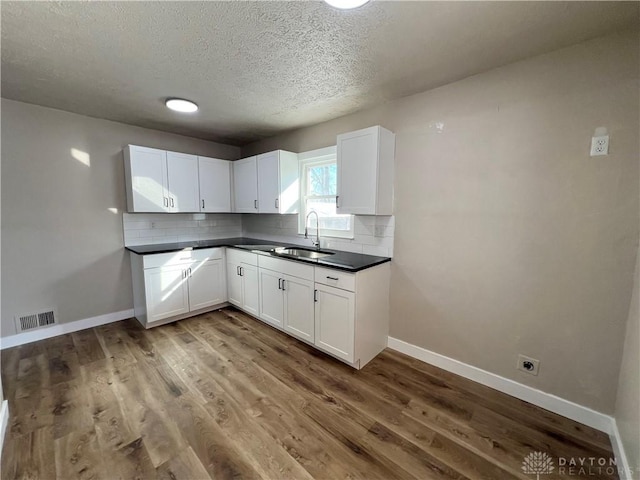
[{"x": 347, "y": 261}]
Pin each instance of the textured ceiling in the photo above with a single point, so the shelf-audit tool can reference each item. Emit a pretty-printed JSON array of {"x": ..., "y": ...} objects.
[{"x": 259, "y": 68}]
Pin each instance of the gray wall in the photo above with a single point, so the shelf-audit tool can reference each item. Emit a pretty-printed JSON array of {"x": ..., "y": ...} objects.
[
  {"x": 628, "y": 401},
  {"x": 509, "y": 237},
  {"x": 61, "y": 245}
]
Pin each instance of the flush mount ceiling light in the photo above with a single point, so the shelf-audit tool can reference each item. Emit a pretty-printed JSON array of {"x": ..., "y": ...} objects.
[
  {"x": 181, "y": 105},
  {"x": 346, "y": 4}
]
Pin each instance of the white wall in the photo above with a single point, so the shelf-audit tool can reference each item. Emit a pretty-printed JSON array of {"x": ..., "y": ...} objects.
[
  {"x": 62, "y": 244},
  {"x": 627, "y": 411},
  {"x": 509, "y": 237}
]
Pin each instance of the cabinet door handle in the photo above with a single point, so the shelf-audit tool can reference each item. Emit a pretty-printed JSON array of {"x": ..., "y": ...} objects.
[
  {"x": 283, "y": 285},
  {"x": 242, "y": 271},
  {"x": 315, "y": 295},
  {"x": 279, "y": 284},
  {"x": 203, "y": 203},
  {"x": 238, "y": 270},
  {"x": 337, "y": 197},
  {"x": 184, "y": 274},
  {"x": 332, "y": 278},
  {"x": 172, "y": 202},
  {"x": 165, "y": 201},
  {"x": 189, "y": 272},
  {"x": 255, "y": 204},
  {"x": 277, "y": 203}
]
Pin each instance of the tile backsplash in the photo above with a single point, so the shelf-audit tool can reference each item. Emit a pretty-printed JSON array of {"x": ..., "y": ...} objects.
[
  {"x": 372, "y": 235},
  {"x": 147, "y": 228}
]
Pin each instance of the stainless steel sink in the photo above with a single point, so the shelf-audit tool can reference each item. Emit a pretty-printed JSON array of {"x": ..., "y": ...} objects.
[
  {"x": 303, "y": 253},
  {"x": 261, "y": 248}
]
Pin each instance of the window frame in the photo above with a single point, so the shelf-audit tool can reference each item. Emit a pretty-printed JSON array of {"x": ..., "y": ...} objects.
[{"x": 321, "y": 156}]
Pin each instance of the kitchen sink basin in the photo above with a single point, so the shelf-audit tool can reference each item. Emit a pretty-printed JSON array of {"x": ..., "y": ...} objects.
[
  {"x": 303, "y": 253},
  {"x": 261, "y": 248}
]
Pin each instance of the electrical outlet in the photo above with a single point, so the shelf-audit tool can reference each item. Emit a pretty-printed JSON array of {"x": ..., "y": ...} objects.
[
  {"x": 600, "y": 145},
  {"x": 528, "y": 364}
]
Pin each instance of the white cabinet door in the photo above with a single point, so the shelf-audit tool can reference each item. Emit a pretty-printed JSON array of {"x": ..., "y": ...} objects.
[
  {"x": 146, "y": 172},
  {"x": 206, "y": 284},
  {"x": 269, "y": 182},
  {"x": 298, "y": 308},
  {"x": 215, "y": 184},
  {"x": 245, "y": 183},
  {"x": 271, "y": 297},
  {"x": 335, "y": 321},
  {"x": 250, "y": 289},
  {"x": 357, "y": 171},
  {"x": 234, "y": 284},
  {"x": 182, "y": 174},
  {"x": 167, "y": 292}
]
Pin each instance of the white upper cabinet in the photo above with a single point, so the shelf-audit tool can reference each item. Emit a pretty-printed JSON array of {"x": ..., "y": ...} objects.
[
  {"x": 278, "y": 182},
  {"x": 215, "y": 184},
  {"x": 245, "y": 183},
  {"x": 365, "y": 172},
  {"x": 161, "y": 181},
  {"x": 182, "y": 184},
  {"x": 146, "y": 179}
]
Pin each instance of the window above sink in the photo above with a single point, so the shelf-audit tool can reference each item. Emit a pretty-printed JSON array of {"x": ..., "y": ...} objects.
[{"x": 318, "y": 187}]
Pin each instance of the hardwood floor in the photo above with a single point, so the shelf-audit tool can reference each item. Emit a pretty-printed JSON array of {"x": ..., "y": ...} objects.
[{"x": 225, "y": 396}]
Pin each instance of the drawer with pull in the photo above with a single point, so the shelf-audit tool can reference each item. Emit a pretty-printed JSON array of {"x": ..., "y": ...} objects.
[
  {"x": 335, "y": 278},
  {"x": 181, "y": 257}
]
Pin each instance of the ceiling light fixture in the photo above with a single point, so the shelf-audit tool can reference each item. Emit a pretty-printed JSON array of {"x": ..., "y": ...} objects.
[
  {"x": 181, "y": 105},
  {"x": 346, "y": 4}
]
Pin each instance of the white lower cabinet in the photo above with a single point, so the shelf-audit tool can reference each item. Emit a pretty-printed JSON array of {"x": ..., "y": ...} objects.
[
  {"x": 271, "y": 297},
  {"x": 335, "y": 321},
  {"x": 167, "y": 292},
  {"x": 286, "y": 296},
  {"x": 207, "y": 284},
  {"x": 170, "y": 286},
  {"x": 343, "y": 314},
  {"x": 242, "y": 280},
  {"x": 286, "y": 302},
  {"x": 298, "y": 308}
]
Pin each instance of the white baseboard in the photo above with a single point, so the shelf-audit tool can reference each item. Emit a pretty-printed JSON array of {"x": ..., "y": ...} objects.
[
  {"x": 566, "y": 408},
  {"x": 624, "y": 469},
  {"x": 61, "y": 329},
  {"x": 4, "y": 421}
]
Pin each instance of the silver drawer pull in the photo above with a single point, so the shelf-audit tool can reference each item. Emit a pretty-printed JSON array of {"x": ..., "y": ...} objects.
[{"x": 332, "y": 278}]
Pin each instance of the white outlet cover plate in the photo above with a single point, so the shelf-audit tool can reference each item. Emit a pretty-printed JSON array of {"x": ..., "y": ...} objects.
[
  {"x": 535, "y": 362},
  {"x": 600, "y": 145}
]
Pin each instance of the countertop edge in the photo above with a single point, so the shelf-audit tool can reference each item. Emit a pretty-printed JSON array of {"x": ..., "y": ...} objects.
[{"x": 231, "y": 243}]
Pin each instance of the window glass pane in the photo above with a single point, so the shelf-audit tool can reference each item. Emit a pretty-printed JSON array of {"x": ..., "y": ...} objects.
[
  {"x": 329, "y": 219},
  {"x": 321, "y": 179}
]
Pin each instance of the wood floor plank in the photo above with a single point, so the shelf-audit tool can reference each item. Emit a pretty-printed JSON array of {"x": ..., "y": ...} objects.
[
  {"x": 222, "y": 395},
  {"x": 77, "y": 455},
  {"x": 87, "y": 346},
  {"x": 31, "y": 456},
  {"x": 131, "y": 462},
  {"x": 184, "y": 466},
  {"x": 218, "y": 453}
]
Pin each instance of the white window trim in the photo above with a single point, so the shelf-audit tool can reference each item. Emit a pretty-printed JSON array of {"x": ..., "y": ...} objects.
[{"x": 305, "y": 159}]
